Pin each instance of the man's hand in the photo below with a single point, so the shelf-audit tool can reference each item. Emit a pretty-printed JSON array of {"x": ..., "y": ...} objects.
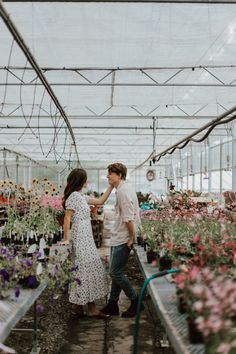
[{"x": 130, "y": 244}]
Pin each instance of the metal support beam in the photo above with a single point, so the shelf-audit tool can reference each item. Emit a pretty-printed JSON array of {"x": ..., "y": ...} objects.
[
  {"x": 119, "y": 117},
  {"x": 118, "y": 84},
  {"x": 17, "y": 169},
  {"x": 19, "y": 154},
  {"x": 136, "y": 1},
  {"x": 221, "y": 164},
  {"x": 226, "y": 117},
  {"x": 234, "y": 158}
]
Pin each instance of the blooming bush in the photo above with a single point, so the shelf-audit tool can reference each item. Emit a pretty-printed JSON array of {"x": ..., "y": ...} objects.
[
  {"x": 215, "y": 308},
  {"x": 18, "y": 269}
]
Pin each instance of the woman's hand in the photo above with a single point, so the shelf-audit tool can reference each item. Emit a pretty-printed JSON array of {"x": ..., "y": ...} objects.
[{"x": 65, "y": 243}]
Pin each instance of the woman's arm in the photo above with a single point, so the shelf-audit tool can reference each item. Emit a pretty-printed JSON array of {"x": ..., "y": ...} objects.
[
  {"x": 101, "y": 200},
  {"x": 67, "y": 220}
]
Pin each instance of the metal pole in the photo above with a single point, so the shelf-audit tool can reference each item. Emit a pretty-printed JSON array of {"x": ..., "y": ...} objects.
[
  {"x": 221, "y": 172},
  {"x": 234, "y": 158},
  {"x": 201, "y": 171},
  {"x": 17, "y": 169},
  {"x": 4, "y": 164},
  {"x": 209, "y": 166}
]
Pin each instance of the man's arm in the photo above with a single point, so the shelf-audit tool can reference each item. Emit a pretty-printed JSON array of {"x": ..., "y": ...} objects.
[{"x": 131, "y": 229}]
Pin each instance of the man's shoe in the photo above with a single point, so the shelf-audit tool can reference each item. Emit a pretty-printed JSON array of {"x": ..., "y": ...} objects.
[
  {"x": 132, "y": 310},
  {"x": 111, "y": 308}
]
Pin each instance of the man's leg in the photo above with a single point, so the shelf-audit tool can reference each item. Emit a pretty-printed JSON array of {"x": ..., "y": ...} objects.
[{"x": 119, "y": 259}]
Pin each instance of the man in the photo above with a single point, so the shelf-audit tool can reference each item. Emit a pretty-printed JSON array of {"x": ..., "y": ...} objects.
[{"x": 122, "y": 240}]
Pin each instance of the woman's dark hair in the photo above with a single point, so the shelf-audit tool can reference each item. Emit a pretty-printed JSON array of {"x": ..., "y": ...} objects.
[{"x": 75, "y": 182}]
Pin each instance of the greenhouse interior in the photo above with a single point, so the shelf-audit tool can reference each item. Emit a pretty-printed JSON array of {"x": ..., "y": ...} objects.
[{"x": 118, "y": 177}]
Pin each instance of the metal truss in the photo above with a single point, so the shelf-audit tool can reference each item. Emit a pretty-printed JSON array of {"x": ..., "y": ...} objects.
[
  {"x": 136, "y": 1},
  {"x": 116, "y": 81}
]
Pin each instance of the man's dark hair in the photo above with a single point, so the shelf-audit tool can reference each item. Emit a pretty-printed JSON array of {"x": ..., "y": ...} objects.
[{"x": 119, "y": 169}]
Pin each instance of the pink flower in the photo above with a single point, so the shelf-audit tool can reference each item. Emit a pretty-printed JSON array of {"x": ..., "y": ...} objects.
[
  {"x": 196, "y": 239},
  {"x": 224, "y": 348},
  {"x": 198, "y": 306}
]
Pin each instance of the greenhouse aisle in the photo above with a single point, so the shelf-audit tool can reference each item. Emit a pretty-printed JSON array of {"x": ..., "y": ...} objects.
[{"x": 115, "y": 336}]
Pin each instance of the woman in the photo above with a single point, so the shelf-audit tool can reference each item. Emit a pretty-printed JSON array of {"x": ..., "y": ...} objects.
[{"x": 91, "y": 278}]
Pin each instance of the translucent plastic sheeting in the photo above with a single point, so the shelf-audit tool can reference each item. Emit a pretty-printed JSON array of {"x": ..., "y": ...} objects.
[{"x": 160, "y": 46}]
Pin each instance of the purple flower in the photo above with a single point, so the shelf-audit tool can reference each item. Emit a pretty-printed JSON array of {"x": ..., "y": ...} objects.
[
  {"x": 32, "y": 281},
  {"x": 27, "y": 262},
  {"x": 74, "y": 269},
  {"x": 38, "y": 254},
  {"x": 17, "y": 292},
  {"x": 39, "y": 308},
  {"x": 5, "y": 275},
  {"x": 78, "y": 281}
]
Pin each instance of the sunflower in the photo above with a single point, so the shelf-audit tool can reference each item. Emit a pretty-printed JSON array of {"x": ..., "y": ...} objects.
[
  {"x": 46, "y": 192},
  {"x": 30, "y": 191},
  {"x": 53, "y": 189},
  {"x": 45, "y": 179}
]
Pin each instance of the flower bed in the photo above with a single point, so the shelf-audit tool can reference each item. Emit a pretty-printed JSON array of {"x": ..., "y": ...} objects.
[{"x": 204, "y": 241}]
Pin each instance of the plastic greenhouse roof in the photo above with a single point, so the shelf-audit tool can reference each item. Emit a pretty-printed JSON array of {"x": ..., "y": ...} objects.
[{"x": 113, "y": 67}]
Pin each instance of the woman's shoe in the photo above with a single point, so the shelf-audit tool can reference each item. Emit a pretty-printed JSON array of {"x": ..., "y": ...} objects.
[
  {"x": 101, "y": 316},
  {"x": 79, "y": 314}
]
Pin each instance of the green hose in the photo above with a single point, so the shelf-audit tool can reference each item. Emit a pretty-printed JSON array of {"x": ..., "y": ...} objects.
[{"x": 141, "y": 296}]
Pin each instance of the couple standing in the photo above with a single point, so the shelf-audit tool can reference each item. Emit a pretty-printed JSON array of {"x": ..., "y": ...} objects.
[{"x": 92, "y": 277}]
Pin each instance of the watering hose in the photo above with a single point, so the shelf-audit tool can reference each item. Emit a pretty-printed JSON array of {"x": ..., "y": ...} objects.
[{"x": 141, "y": 296}]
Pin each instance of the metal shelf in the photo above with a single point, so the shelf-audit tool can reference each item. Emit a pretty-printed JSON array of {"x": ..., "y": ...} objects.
[{"x": 162, "y": 292}]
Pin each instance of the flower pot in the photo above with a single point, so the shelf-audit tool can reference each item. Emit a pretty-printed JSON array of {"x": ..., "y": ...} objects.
[
  {"x": 165, "y": 262},
  {"x": 151, "y": 256},
  {"x": 139, "y": 240},
  {"x": 194, "y": 335},
  {"x": 182, "y": 306}
]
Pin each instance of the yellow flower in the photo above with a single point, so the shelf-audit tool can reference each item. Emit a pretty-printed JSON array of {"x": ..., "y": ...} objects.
[
  {"x": 46, "y": 192},
  {"x": 45, "y": 179},
  {"x": 29, "y": 191}
]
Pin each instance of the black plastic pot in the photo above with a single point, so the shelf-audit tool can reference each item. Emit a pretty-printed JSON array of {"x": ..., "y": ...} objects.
[
  {"x": 193, "y": 333},
  {"x": 151, "y": 256},
  {"x": 165, "y": 262}
]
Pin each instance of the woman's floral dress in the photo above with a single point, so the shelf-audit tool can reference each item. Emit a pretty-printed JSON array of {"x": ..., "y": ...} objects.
[{"x": 91, "y": 280}]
